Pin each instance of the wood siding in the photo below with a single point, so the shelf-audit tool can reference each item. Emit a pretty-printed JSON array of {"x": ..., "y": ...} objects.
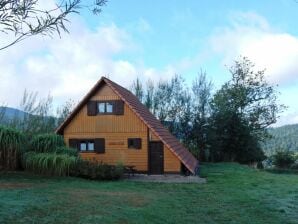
[
  {"x": 171, "y": 163},
  {"x": 116, "y": 130}
]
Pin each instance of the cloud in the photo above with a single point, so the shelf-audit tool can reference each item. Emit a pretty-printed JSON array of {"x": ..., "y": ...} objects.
[
  {"x": 250, "y": 35},
  {"x": 70, "y": 66},
  {"x": 289, "y": 118}
]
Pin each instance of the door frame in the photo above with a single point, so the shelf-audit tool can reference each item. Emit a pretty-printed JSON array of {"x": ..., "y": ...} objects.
[{"x": 149, "y": 157}]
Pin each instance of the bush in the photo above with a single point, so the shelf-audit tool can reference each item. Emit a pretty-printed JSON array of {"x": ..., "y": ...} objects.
[
  {"x": 46, "y": 143},
  {"x": 283, "y": 159},
  {"x": 66, "y": 150},
  {"x": 97, "y": 170},
  {"x": 294, "y": 166},
  {"x": 49, "y": 163},
  {"x": 11, "y": 146}
]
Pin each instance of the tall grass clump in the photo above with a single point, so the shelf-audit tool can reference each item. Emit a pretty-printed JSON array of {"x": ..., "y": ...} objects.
[
  {"x": 11, "y": 145},
  {"x": 50, "y": 163},
  {"x": 66, "y": 150},
  {"x": 46, "y": 143}
]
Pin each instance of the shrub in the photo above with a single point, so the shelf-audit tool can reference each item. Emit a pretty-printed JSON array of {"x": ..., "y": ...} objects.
[
  {"x": 294, "y": 166},
  {"x": 66, "y": 150},
  {"x": 49, "y": 163},
  {"x": 283, "y": 159},
  {"x": 11, "y": 146},
  {"x": 97, "y": 171},
  {"x": 46, "y": 143}
]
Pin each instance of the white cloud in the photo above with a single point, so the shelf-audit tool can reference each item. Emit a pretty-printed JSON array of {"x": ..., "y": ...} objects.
[
  {"x": 250, "y": 35},
  {"x": 70, "y": 66},
  {"x": 289, "y": 118}
]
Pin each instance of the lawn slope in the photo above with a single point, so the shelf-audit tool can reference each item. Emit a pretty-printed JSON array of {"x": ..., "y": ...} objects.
[{"x": 233, "y": 194}]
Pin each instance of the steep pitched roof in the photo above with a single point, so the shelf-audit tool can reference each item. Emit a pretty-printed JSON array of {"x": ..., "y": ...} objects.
[{"x": 145, "y": 115}]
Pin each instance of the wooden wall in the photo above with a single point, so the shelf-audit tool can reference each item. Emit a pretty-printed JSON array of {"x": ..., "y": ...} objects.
[
  {"x": 171, "y": 162},
  {"x": 116, "y": 130}
]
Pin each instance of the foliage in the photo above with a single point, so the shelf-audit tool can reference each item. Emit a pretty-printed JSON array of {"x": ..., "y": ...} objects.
[
  {"x": 2, "y": 113},
  {"x": 241, "y": 112},
  {"x": 11, "y": 146},
  {"x": 36, "y": 114},
  {"x": 285, "y": 137},
  {"x": 137, "y": 88},
  {"x": 283, "y": 159},
  {"x": 169, "y": 101},
  {"x": 67, "y": 151},
  {"x": 36, "y": 118},
  {"x": 46, "y": 143},
  {"x": 294, "y": 166},
  {"x": 232, "y": 194},
  {"x": 49, "y": 163},
  {"x": 201, "y": 89},
  {"x": 95, "y": 170},
  {"x": 64, "y": 111},
  {"x": 26, "y": 18}
]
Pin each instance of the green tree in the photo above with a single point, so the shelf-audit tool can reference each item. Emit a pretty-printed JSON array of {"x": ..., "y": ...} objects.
[
  {"x": 201, "y": 89},
  {"x": 149, "y": 94},
  {"x": 242, "y": 110},
  {"x": 137, "y": 89},
  {"x": 64, "y": 111}
]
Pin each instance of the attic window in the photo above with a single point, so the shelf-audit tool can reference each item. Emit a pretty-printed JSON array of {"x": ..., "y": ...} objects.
[
  {"x": 105, "y": 107},
  {"x": 108, "y": 107},
  {"x": 101, "y": 107},
  {"x": 134, "y": 143}
]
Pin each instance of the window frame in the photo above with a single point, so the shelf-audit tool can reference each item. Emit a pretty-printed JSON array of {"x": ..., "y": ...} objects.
[
  {"x": 87, "y": 142},
  {"x": 106, "y": 102},
  {"x": 134, "y": 145}
]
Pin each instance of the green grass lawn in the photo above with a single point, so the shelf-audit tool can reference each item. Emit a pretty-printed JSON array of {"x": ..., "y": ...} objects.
[{"x": 233, "y": 194}]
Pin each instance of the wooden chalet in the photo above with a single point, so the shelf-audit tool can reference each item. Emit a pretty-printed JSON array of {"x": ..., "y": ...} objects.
[{"x": 111, "y": 125}]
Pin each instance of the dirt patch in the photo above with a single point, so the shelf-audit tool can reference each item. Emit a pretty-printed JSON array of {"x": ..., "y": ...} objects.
[{"x": 14, "y": 185}]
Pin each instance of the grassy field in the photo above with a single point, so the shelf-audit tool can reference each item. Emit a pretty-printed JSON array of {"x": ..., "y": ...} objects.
[{"x": 233, "y": 194}]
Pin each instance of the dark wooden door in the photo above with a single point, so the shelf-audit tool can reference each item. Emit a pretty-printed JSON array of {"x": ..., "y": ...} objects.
[{"x": 156, "y": 157}]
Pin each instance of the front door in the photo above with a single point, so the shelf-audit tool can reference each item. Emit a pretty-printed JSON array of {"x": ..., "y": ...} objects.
[{"x": 156, "y": 157}]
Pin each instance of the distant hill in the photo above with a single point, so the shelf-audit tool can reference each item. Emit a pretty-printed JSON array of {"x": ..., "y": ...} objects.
[
  {"x": 10, "y": 113},
  {"x": 285, "y": 137}
]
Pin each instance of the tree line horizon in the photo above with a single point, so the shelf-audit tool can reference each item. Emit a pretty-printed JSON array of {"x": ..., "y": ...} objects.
[{"x": 227, "y": 125}]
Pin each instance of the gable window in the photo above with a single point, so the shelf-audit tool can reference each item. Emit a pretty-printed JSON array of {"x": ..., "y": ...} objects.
[
  {"x": 105, "y": 107},
  {"x": 134, "y": 143},
  {"x": 108, "y": 107},
  {"x": 101, "y": 107},
  {"x": 86, "y": 146}
]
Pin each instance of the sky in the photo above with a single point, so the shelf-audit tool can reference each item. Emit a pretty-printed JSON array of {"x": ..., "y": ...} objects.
[{"x": 157, "y": 39}]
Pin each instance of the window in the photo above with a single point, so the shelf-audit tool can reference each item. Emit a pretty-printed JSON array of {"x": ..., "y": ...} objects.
[
  {"x": 96, "y": 145},
  {"x": 105, "y": 108},
  {"x": 90, "y": 146},
  {"x": 83, "y": 146},
  {"x": 134, "y": 143},
  {"x": 87, "y": 146},
  {"x": 101, "y": 107},
  {"x": 109, "y": 107}
]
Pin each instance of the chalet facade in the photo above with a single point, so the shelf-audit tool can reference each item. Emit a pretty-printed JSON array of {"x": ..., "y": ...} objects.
[{"x": 111, "y": 125}]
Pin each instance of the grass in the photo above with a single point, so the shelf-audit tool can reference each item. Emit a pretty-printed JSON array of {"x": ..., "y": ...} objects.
[{"x": 233, "y": 194}]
